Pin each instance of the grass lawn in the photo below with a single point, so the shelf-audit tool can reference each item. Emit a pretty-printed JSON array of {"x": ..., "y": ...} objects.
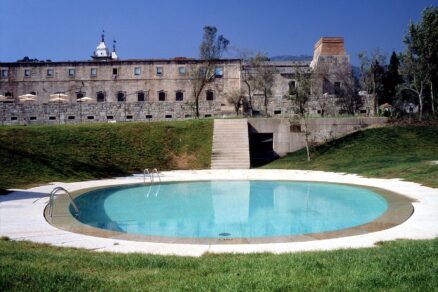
[
  {"x": 39, "y": 154},
  {"x": 393, "y": 152},
  {"x": 397, "y": 266}
]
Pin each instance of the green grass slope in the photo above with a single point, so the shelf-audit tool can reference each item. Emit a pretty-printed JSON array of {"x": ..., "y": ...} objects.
[
  {"x": 393, "y": 266},
  {"x": 401, "y": 151},
  {"x": 39, "y": 154}
]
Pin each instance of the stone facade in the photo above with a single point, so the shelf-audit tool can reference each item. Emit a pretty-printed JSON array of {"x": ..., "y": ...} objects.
[{"x": 143, "y": 90}]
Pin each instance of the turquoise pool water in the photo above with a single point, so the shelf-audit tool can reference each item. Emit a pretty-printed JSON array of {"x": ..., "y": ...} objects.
[{"x": 231, "y": 209}]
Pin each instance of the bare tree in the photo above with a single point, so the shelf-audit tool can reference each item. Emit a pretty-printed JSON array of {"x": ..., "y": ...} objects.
[
  {"x": 319, "y": 78},
  {"x": 300, "y": 95},
  {"x": 416, "y": 78},
  {"x": 261, "y": 77},
  {"x": 210, "y": 51},
  {"x": 235, "y": 98},
  {"x": 348, "y": 96}
]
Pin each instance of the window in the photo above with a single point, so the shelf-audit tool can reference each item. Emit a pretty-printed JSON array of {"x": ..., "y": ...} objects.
[
  {"x": 93, "y": 72},
  {"x": 168, "y": 116},
  {"x": 5, "y": 73},
  {"x": 90, "y": 117},
  {"x": 79, "y": 95},
  {"x": 115, "y": 71},
  {"x": 210, "y": 95},
  {"x": 33, "y": 118},
  {"x": 129, "y": 117},
  {"x": 148, "y": 116},
  {"x": 100, "y": 96},
  {"x": 27, "y": 72},
  {"x": 49, "y": 72},
  {"x": 337, "y": 87},
  {"x": 71, "y": 72},
  {"x": 187, "y": 116},
  {"x": 277, "y": 112},
  {"x": 121, "y": 96},
  {"x": 52, "y": 118},
  {"x": 161, "y": 96},
  {"x": 179, "y": 96},
  {"x": 71, "y": 117},
  {"x": 207, "y": 116},
  {"x": 182, "y": 71},
  {"x": 33, "y": 92},
  {"x": 159, "y": 71},
  {"x": 8, "y": 94},
  {"x": 202, "y": 72},
  {"x": 137, "y": 71},
  {"x": 140, "y": 96},
  {"x": 219, "y": 72},
  {"x": 14, "y": 118},
  {"x": 109, "y": 117}
]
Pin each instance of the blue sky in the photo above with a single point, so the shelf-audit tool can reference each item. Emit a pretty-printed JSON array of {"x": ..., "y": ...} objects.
[{"x": 70, "y": 30}]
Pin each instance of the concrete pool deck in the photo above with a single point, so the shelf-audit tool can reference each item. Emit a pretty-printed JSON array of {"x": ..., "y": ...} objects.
[{"x": 21, "y": 215}]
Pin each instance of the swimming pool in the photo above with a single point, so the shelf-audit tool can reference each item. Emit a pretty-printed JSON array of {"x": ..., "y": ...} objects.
[{"x": 230, "y": 209}]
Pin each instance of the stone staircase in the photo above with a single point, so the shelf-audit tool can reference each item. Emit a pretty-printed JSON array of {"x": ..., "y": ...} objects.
[{"x": 230, "y": 144}]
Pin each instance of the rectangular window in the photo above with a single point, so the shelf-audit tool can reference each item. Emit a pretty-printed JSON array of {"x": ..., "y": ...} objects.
[
  {"x": 109, "y": 117},
  {"x": 148, "y": 116},
  {"x": 219, "y": 72},
  {"x": 52, "y": 118},
  {"x": 168, "y": 116},
  {"x": 14, "y": 118},
  {"x": 115, "y": 71},
  {"x": 137, "y": 71},
  {"x": 277, "y": 112},
  {"x": 71, "y": 72},
  {"x": 159, "y": 71},
  {"x": 90, "y": 117},
  {"x": 49, "y": 72},
  {"x": 5, "y": 73},
  {"x": 129, "y": 117},
  {"x": 187, "y": 116},
  {"x": 182, "y": 71},
  {"x": 33, "y": 118},
  {"x": 93, "y": 72},
  {"x": 71, "y": 117},
  {"x": 26, "y": 72},
  {"x": 337, "y": 88},
  {"x": 207, "y": 116}
]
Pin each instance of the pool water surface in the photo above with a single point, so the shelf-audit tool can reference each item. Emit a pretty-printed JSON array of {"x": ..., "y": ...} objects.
[{"x": 230, "y": 209}]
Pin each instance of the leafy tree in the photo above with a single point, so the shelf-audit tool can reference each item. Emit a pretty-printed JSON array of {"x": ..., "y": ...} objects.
[
  {"x": 422, "y": 49},
  {"x": 211, "y": 49},
  {"x": 235, "y": 98},
  {"x": 392, "y": 79}
]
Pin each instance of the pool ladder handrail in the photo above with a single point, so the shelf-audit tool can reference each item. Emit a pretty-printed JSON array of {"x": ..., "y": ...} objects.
[
  {"x": 152, "y": 179},
  {"x": 53, "y": 193}
]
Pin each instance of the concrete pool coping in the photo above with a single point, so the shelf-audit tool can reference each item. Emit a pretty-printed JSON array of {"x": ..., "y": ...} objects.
[{"x": 21, "y": 215}]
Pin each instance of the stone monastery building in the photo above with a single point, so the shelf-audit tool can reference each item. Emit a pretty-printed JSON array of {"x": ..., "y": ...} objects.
[{"x": 159, "y": 89}]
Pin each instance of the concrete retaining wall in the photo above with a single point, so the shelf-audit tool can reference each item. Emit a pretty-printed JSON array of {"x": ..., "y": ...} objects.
[{"x": 289, "y": 136}]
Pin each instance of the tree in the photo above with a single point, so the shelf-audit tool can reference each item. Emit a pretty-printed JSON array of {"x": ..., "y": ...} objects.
[
  {"x": 211, "y": 49},
  {"x": 320, "y": 76},
  {"x": 262, "y": 77},
  {"x": 391, "y": 79},
  {"x": 235, "y": 98},
  {"x": 372, "y": 72},
  {"x": 348, "y": 96},
  {"x": 300, "y": 95},
  {"x": 416, "y": 77},
  {"x": 422, "y": 49}
]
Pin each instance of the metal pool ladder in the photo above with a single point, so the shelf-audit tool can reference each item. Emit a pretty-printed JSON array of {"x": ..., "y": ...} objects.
[
  {"x": 52, "y": 200},
  {"x": 152, "y": 180}
]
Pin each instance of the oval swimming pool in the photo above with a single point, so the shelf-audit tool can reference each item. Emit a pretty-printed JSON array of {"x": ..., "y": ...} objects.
[{"x": 230, "y": 209}]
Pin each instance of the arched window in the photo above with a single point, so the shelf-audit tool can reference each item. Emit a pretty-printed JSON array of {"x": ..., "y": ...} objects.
[
  {"x": 140, "y": 96},
  {"x": 161, "y": 96},
  {"x": 179, "y": 96},
  {"x": 121, "y": 96},
  {"x": 33, "y": 92},
  {"x": 8, "y": 94},
  {"x": 210, "y": 95},
  {"x": 100, "y": 96}
]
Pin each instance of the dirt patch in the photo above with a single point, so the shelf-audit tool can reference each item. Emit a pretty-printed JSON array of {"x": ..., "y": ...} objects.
[{"x": 184, "y": 161}]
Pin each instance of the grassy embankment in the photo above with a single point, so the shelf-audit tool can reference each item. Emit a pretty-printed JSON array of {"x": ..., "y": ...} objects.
[
  {"x": 40, "y": 154},
  {"x": 396, "y": 266},
  {"x": 404, "y": 152}
]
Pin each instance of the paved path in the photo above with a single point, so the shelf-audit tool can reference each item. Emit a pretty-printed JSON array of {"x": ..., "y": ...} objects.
[{"x": 21, "y": 215}]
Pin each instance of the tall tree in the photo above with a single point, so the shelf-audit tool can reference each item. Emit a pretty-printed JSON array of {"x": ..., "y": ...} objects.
[
  {"x": 259, "y": 76},
  {"x": 300, "y": 95},
  {"x": 392, "y": 79},
  {"x": 210, "y": 51},
  {"x": 422, "y": 43}
]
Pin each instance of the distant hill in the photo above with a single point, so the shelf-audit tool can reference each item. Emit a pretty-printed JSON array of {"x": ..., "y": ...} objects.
[{"x": 292, "y": 58}]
